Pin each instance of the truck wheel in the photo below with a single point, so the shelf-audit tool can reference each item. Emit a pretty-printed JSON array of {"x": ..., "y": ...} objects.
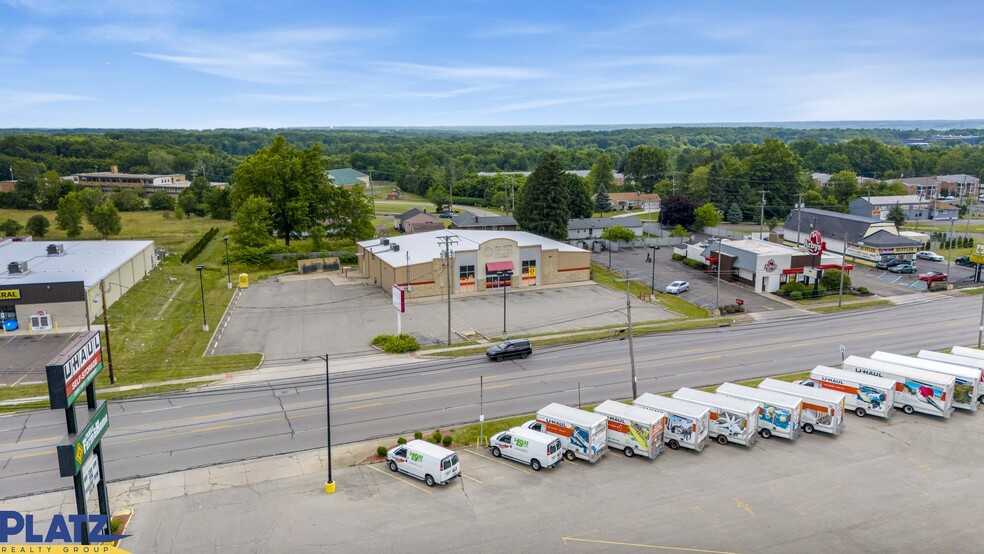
[
  {"x": 673, "y": 444},
  {"x": 570, "y": 455},
  {"x": 535, "y": 464},
  {"x": 629, "y": 452},
  {"x": 981, "y": 399},
  {"x": 496, "y": 452},
  {"x": 429, "y": 480},
  {"x": 860, "y": 412},
  {"x": 807, "y": 428},
  {"x": 722, "y": 439},
  {"x": 908, "y": 409},
  {"x": 526, "y": 355},
  {"x": 765, "y": 433},
  {"x": 392, "y": 465}
]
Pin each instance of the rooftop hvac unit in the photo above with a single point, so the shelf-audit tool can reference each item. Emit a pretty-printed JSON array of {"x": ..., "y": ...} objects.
[
  {"x": 395, "y": 247},
  {"x": 56, "y": 249},
  {"x": 384, "y": 242},
  {"x": 17, "y": 267}
]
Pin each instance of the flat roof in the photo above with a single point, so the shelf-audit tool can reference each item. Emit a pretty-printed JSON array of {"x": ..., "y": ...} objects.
[
  {"x": 88, "y": 261},
  {"x": 760, "y": 246},
  {"x": 425, "y": 247}
]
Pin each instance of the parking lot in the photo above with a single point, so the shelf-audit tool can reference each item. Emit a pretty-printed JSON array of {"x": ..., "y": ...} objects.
[
  {"x": 25, "y": 356},
  {"x": 886, "y": 283},
  {"x": 898, "y": 485}
]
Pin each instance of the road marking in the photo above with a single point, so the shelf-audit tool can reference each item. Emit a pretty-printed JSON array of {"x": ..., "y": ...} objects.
[
  {"x": 510, "y": 466},
  {"x": 651, "y": 546},
  {"x": 744, "y": 506},
  {"x": 400, "y": 480},
  {"x": 472, "y": 479},
  {"x": 160, "y": 410},
  {"x": 27, "y": 441},
  {"x": 604, "y": 371},
  {"x": 709, "y": 357}
]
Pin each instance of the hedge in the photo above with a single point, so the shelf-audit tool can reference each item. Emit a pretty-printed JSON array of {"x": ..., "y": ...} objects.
[
  {"x": 694, "y": 264},
  {"x": 677, "y": 257},
  {"x": 200, "y": 245}
]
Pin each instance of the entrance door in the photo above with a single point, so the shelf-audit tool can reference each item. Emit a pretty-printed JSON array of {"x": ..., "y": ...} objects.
[{"x": 765, "y": 284}]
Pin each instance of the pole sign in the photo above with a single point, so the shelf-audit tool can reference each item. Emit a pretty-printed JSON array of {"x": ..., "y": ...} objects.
[
  {"x": 814, "y": 244},
  {"x": 398, "y": 299},
  {"x": 73, "y": 369},
  {"x": 72, "y": 455},
  {"x": 90, "y": 475}
]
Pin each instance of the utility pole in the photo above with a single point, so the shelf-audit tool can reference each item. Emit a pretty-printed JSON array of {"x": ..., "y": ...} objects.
[
  {"x": 407, "y": 284},
  {"x": 799, "y": 218},
  {"x": 448, "y": 240},
  {"x": 949, "y": 256},
  {"x": 628, "y": 315},
  {"x": 840, "y": 295},
  {"x": 717, "y": 293},
  {"x": 372, "y": 195},
  {"x": 109, "y": 351},
  {"x": 762, "y": 214},
  {"x": 512, "y": 194},
  {"x": 451, "y": 187}
]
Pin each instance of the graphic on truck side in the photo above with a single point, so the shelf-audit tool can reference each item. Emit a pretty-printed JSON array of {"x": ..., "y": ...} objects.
[
  {"x": 681, "y": 426},
  {"x": 732, "y": 424},
  {"x": 926, "y": 393},
  {"x": 778, "y": 417},
  {"x": 963, "y": 391},
  {"x": 578, "y": 437},
  {"x": 871, "y": 396}
]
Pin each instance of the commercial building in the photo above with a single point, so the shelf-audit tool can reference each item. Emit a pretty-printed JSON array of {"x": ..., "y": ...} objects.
[
  {"x": 108, "y": 181},
  {"x": 867, "y": 238},
  {"x": 468, "y": 220},
  {"x": 59, "y": 283},
  {"x": 943, "y": 186},
  {"x": 766, "y": 266},
  {"x": 348, "y": 177},
  {"x": 913, "y": 206},
  {"x": 480, "y": 260}
]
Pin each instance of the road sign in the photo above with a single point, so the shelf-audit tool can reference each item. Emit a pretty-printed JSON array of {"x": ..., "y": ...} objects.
[
  {"x": 73, "y": 454},
  {"x": 73, "y": 369},
  {"x": 90, "y": 475},
  {"x": 843, "y": 349},
  {"x": 398, "y": 299}
]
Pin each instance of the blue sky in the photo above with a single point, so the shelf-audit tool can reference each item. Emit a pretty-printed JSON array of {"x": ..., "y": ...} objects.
[{"x": 198, "y": 65}]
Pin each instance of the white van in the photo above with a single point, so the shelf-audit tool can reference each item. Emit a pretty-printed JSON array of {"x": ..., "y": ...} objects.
[
  {"x": 731, "y": 420},
  {"x": 632, "y": 429},
  {"x": 583, "y": 434},
  {"x": 434, "y": 464},
  {"x": 917, "y": 390},
  {"x": 779, "y": 414},
  {"x": 687, "y": 423},
  {"x": 527, "y": 446},
  {"x": 865, "y": 394},
  {"x": 823, "y": 410},
  {"x": 967, "y": 380}
]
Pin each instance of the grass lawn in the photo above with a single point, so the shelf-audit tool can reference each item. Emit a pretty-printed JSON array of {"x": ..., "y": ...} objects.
[
  {"x": 608, "y": 278},
  {"x": 397, "y": 207},
  {"x": 854, "y": 306}
]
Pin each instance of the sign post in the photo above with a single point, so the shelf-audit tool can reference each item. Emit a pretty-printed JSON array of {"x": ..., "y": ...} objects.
[{"x": 399, "y": 302}]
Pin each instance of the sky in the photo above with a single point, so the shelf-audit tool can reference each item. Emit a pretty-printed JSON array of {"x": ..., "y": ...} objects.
[{"x": 231, "y": 64}]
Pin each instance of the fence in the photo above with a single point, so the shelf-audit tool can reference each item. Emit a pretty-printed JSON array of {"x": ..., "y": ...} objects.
[
  {"x": 725, "y": 233},
  {"x": 308, "y": 255}
]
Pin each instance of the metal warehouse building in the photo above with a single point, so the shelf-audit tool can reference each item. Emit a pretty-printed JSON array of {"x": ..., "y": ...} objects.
[
  {"x": 480, "y": 260},
  {"x": 58, "y": 283}
]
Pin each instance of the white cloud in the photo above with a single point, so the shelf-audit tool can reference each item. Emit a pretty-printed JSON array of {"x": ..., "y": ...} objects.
[
  {"x": 16, "y": 99},
  {"x": 516, "y": 29},
  {"x": 102, "y": 7},
  {"x": 301, "y": 98},
  {"x": 462, "y": 73},
  {"x": 532, "y": 104}
]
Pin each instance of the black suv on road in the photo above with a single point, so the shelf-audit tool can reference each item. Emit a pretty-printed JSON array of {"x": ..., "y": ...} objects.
[{"x": 513, "y": 348}]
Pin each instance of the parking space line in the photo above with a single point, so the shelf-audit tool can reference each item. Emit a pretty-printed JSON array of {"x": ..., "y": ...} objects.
[
  {"x": 496, "y": 461},
  {"x": 650, "y": 546},
  {"x": 472, "y": 479},
  {"x": 398, "y": 479}
]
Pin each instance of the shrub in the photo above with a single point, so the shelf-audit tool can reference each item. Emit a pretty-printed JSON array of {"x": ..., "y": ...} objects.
[
  {"x": 381, "y": 450},
  {"x": 796, "y": 295},
  {"x": 200, "y": 245},
  {"x": 437, "y": 437},
  {"x": 401, "y": 440},
  {"x": 731, "y": 309},
  {"x": 393, "y": 344},
  {"x": 418, "y": 435},
  {"x": 694, "y": 264},
  {"x": 447, "y": 441},
  {"x": 678, "y": 257},
  {"x": 864, "y": 290},
  {"x": 348, "y": 259},
  {"x": 791, "y": 287}
]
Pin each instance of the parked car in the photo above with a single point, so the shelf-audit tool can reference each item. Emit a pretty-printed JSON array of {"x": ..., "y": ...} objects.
[
  {"x": 931, "y": 256},
  {"x": 903, "y": 268},
  {"x": 964, "y": 261},
  {"x": 886, "y": 264},
  {"x": 446, "y": 215},
  {"x": 932, "y": 276},
  {"x": 676, "y": 287},
  {"x": 513, "y": 348}
]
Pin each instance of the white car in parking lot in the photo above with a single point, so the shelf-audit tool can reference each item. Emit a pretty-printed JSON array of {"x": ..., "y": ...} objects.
[
  {"x": 931, "y": 256},
  {"x": 676, "y": 287}
]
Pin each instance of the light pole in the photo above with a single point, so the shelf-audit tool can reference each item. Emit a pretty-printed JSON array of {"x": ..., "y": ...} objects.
[
  {"x": 628, "y": 315},
  {"x": 652, "y": 284},
  {"x": 949, "y": 256},
  {"x": 201, "y": 282},
  {"x": 228, "y": 267},
  {"x": 329, "y": 484},
  {"x": 504, "y": 277}
]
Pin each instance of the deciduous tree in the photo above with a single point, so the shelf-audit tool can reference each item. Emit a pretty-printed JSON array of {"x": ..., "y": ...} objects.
[
  {"x": 69, "y": 216},
  {"x": 677, "y": 210},
  {"x": 38, "y": 225},
  {"x": 253, "y": 222},
  {"x": 706, "y": 216},
  {"x": 646, "y": 166},
  {"x": 106, "y": 219}
]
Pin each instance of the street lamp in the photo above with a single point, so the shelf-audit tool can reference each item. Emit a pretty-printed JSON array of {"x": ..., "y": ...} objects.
[
  {"x": 652, "y": 284},
  {"x": 329, "y": 484},
  {"x": 228, "y": 267},
  {"x": 504, "y": 277},
  {"x": 201, "y": 282}
]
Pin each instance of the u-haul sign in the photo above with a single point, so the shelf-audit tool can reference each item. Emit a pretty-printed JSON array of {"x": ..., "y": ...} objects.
[{"x": 74, "y": 369}]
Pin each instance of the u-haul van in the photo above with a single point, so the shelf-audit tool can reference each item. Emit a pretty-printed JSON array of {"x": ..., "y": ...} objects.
[
  {"x": 967, "y": 380},
  {"x": 434, "y": 464},
  {"x": 968, "y": 352},
  {"x": 527, "y": 446},
  {"x": 632, "y": 429},
  {"x": 823, "y": 410},
  {"x": 583, "y": 434},
  {"x": 779, "y": 414},
  {"x": 731, "y": 419},
  {"x": 916, "y": 390},
  {"x": 865, "y": 394},
  {"x": 977, "y": 363},
  {"x": 687, "y": 423}
]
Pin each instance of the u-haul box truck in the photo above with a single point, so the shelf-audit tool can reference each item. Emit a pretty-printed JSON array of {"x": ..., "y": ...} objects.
[
  {"x": 779, "y": 414},
  {"x": 731, "y": 420},
  {"x": 968, "y": 352},
  {"x": 916, "y": 390},
  {"x": 976, "y": 363},
  {"x": 865, "y": 394},
  {"x": 967, "y": 380},
  {"x": 527, "y": 446},
  {"x": 583, "y": 434},
  {"x": 433, "y": 464},
  {"x": 823, "y": 410},
  {"x": 687, "y": 423},
  {"x": 632, "y": 429}
]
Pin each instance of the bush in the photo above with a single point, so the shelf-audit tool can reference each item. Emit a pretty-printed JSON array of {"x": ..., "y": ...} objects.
[
  {"x": 864, "y": 290},
  {"x": 678, "y": 257},
  {"x": 392, "y": 344},
  {"x": 348, "y": 259},
  {"x": 381, "y": 450},
  {"x": 447, "y": 441},
  {"x": 418, "y": 435},
  {"x": 694, "y": 264},
  {"x": 731, "y": 309},
  {"x": 796, "y": 295},
  {"x": 401, "y": 440},
  {"x": 437, "y": 437},
  {"x": 200, "y": 245},
  {"x": 791, "y": 287}
]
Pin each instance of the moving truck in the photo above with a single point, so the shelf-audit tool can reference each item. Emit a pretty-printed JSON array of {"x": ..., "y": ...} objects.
[
  {"x": 968, "y": 352},
  {"x": 633, "y": 430},
  {"x": 583, "y": 434},
  {"x": 731, "y": 420},
  {"x": 823, "y": 410},
  {"x": 954, "y": 359},
  {"x": 527, "y": 446},
  {"x": 865, "y": 394},
  {"x": 916, "y": 390},
  {"x": 434, "y": 464},
  {"x": 687, "y": 423},
  {"x": 779, "y": 414},
  {"x": 967, "y": 380}
]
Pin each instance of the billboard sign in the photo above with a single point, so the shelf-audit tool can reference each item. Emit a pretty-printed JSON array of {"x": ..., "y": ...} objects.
[
  {"x": 72, "y": 455},
  {"x": 398, "y": 299},
  {"x": 73, "y": 369}
]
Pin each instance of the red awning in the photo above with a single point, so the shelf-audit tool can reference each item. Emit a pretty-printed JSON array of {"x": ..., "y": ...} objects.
[{"x": 493, "y": 267}]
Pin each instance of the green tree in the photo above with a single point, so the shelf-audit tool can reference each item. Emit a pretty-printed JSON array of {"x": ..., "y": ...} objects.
[
  {"x": 844, "y": 186},
  {"x": 11, "y": 228},
  {"x": 617, "y": 234},
  {"x": 219, "y": 202},
  {"x": 127, "y": 201},
  {"x": 646, "y": 166},
  {"x": 734, "y": 213},
  {"x": 161, "y": 201},
  {"x": 291, "y": 180},
  {"x": 38, "y": 225},
  {"x": 106, "y": 219},
  {"x": 896, "y": 215},
  {"x": 188, "y": 202},
  {"x": 603, "y": 202},
  {"x": 777, "y": 169},
  {"x": 542, "y": 208},
  {"x": 830, "y": 279},
  {"x": 253, "y": 222},
  {"x": 601, "y": 174},
  {"x": 351, "y": 213},
  {"x": 88, "y": 199},
  {"x": 679, "y": 232},
  {"x": 677, "y": 210},
  {"x": 439, "y": 196},
  {"x": 706, "y": 216},
  {"x": 578, "y": 197},
  {"x": 69, "y": 216},
  {"x": 51, "y": 187}
]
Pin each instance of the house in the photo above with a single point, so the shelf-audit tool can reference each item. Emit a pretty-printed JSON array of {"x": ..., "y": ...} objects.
[
  {"x": 348, "y": 177},
  {"x": 422, "y": 223},
  {"x": 593, "y": 227},
  {"x": 868, "y": 238},
  {"x": 393, "y": 195},
  {"x": 468, "y": 220},
  {"x": 634, "y": 201},
  {"x": 913, "y": 206},
  {"x": 402, "y": 218},
  {"x": 8, "y": 186}
]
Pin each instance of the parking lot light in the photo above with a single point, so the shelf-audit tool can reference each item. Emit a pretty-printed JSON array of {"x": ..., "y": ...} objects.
[
  {"x": 201, "y": 282},
  {"x": 329, "y": 484}
]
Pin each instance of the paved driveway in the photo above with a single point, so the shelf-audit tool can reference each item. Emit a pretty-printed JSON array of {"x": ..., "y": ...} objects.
[
  {"x": 886, "y": 283},
  {"x": 24, "y": 357}
]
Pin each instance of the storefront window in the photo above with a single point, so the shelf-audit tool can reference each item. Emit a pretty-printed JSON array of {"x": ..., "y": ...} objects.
[
  {"x": 466, "y": 278},
  {"x": 529, "y": 273}
]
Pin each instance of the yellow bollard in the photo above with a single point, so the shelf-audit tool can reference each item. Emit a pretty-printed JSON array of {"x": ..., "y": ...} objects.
[{"x": 329, "y": 487}]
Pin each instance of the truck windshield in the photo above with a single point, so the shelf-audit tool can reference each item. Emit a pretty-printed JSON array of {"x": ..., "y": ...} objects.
[{"x": 553, "y": 447}]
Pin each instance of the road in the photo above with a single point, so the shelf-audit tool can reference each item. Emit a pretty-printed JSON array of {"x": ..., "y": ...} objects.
[{"x": 161, "y": 434}]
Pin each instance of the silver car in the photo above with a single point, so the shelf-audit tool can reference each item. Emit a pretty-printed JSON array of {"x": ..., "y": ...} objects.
[
  {"x": 931, "y": 256},
  {"x": 676, "y": 287}
]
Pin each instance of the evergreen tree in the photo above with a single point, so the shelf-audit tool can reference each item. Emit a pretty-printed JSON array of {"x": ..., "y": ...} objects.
[
  {"x": 578, "y": 197},
  {"x": 602, "y": 201},
  {"x": 542, "y": 208},
  {"x": 734, "y": 213},
  {"x": 896, "y": 215}
]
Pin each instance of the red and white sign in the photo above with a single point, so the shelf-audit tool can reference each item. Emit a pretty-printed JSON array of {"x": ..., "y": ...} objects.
[
  {"x": 770, "y": 265},
  {"x": 398, "y": 299},
  {"x": 814, "y": 244}
]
